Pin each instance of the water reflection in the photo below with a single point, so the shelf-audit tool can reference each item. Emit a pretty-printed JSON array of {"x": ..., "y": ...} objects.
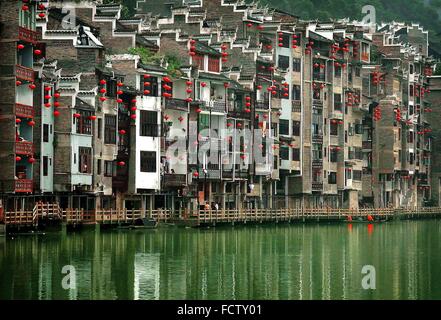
[{"x": 302, "y": 261}]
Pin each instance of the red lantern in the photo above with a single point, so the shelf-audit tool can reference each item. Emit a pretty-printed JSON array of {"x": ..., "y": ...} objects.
[
  {"x": 56, "y": 104},
  {"x": 32, "y": 86},
  {"x": 47, "y": 105},
  {"x": 56, "y": 113},
  {"x": 103, "y": 90},
  {"x": 47, "y": 89},
  {"x": 119, "y": 100},
  {"x": 18, "y": 83},
  {"x": 226, "y": 84},
  {"x": 119, "y": 84},
  {"x": 229, "y": 124},
  {"x": 133, "y": 116},
  {"x": 31, "y": 123},
  {"x": 122, "y": 132},
  {"x": 37, "y": 52},
  {"x": 146, "y": 91},
  {"x": 121, "y": 163},
  {"x": 259, "y": 87},
  {"x": 76, "y": 115},
  {"x": 203, "y": 84},
  {"x": 17, "y": 120},
  {"x": 24, "y": 7},
  {"x": 196, "y": 174},
  {"x": 93, "y": 118},
  {"x": 41, "y": 15},
  {"x": 119, "y": 92},
  {"x": 198, "y": 110},
  {"x": 189, "y": 100},
  {"x": 133, "y": 108},
  {"x": 188, "y": 83},
  {"x": 102, "y": 99},
  {"x": 103, "y": 82},
  {"x": 189, "y": 91},
  {"x": 146, "y": 76},
  {"x": 31, "y": 160},
  {"x": 56, "y": 95},
  {"x": 249, "y": 25},
  {"x": 20, "y": 47},
  {"x": 17, "y": 158}
]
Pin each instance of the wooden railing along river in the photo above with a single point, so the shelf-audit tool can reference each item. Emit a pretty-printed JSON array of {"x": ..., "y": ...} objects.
[{"x": 204, "y": 217}]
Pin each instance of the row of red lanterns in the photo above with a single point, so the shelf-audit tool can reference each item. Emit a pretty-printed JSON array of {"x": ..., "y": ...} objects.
[
  {"x": 377, "y": 113},
  {"x": 30, "y": 159},
  {"x": 335, "y": 121}
]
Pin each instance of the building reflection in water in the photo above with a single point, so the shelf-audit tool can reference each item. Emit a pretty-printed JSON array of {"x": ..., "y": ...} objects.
[{"x": 300, "y": 261}]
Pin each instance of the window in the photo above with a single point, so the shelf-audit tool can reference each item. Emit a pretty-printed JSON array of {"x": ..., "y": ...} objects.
[
  {"x": 276, "y": 162},
  {"x": 284, "y": 127},
  {"x": 285, "y": 40},
  {"x": 296, "y": 128},
  {"x": 337, "y": 102},
  {"x": 149, "y": 124},
  {"x": 85, "y": 164},
  {"x": 356, "y": 175},
  {"x": 317, "y": 153},
  {"x": 109, "y": 168},
  {"x": 296, "y": 92},
  {"x": 110, "y": 129},
  {"x": 333, "y": 155},
  {"x": 84, "y": 124},
  {"x": 100, "y": 128},
  {"x": 148, "y": 161},
  {"x": 198, "y": 60},
  {"x": 333, "y": 128},
  {"x": 151, "y": 85},
  {"x": 98, "y": 166},
  {"x": 283, "y": 62},
  {"x": 213, "y": 64},
  {"x": 357, "y": 71},
  {"x": 332, "y": 178},
  {"x": 284, "y": 153},
  {"x": 296, "y": 154},
  {"x": 296, "y": 64},
  {"x": 204, "y": 121},
  {"x": 45, "y": 133},
  {"x": 45, "y": 166},
  {"x": 111, "y": 87},
  {"x": 337, "y": 72},
  {"x": 358, "y": 128}
]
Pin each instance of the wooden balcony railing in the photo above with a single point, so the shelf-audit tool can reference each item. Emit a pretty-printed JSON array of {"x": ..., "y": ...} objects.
[
  {"x": 174, "y": 180},
  {"x": 176, "y": 104},
  {"x": 28, "y": 35},
  {"x": 24, "y": 185},
  {"x": 24, "y": 147},
  {"x": 25, "y": 111},
  {"x": 24, "y": 73}
]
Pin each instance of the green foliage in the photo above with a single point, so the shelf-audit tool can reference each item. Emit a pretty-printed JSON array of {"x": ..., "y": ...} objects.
[
  {"x": 437, "y": 70},
  {"x": 171, "y": 62}
]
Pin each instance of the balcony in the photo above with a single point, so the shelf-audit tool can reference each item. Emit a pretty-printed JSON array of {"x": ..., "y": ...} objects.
[
  {"x": 317, "y": 103},
  {"x": 211, "y": 174},
  {"x": 23, "y": 185},
  {"x": 319, "y": 76},
  {"x": 337, "y": 115},
  {"x": 28, "y": 35},
  {"x": 317, "y": 138},
  {"x": 176, "y": 104},
  {"x": 296, "y": 106},
  {"x": 218, "y": 106},
  {"x": 367, "y": 145},
  {"x": 262, "y": 105},
  {"x": 24, "y": 148},
  {"x": 174, "y": 180},
  {"x": 24, "y": 111},
  {"x": 317, "y": 186},
  {"x": 317, "y": 163},
  {"x": 24, "y": 73}
]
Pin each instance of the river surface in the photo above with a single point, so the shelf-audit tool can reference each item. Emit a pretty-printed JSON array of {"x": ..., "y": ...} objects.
[{"x": 283, "y": 261}]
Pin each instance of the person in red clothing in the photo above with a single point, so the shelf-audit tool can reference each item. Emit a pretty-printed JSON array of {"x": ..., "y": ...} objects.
[{"x": 369, "y": 217}]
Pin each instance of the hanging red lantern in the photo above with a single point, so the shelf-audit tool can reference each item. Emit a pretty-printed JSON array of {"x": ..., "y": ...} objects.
[
  {"x": 133, "y": 116},
  {"x": 93, "y": 118},
  {"x": 189, "y": 100},
  {"x": 17, "y": 158},
  {"x": 196, "y": 174},
  {"x": 47, "y": 105},
  {"x": 56, "y": 113},
  {"x": 203, "y": 84},
  {"x": 223, "y": 47},
  {"x": 31, "y": 123},
  {"x": 56, "y": 95},
  {"x": 248, "y": 104},
  {"x": 102, "y": 99},
  {"x": 24, "y": 7},
  {"x": 119, "y": 92},
  {"x": 47, "y": 97},
  {"x": 32, "y": 86},
  {"x": 47, "y": 89},
  {"x": 122, "y": 132},
  {"x": 103, "y": 90},
  {"x": 188, "y": 83},
  {"x": 249, "y": 25},
  {"x": 239, "y": 125},
  {"x": 56, "y": 104},
  {"x": 119, "y": 100},
  {"x": 76, "y": 115},
  {"x": 120, "y": 84},
  {"x": 121, "y": 163},
  {"x": 18, "y": 83},
  {"x": 146, "y": 92},
  {"x": 229, "y": 124},
  {"x": 133, "y": 108},
  {"x": 17, "y": 120},
  {"x": 189, "y": 90},
  {"x": 20, "y": 47},
  {"x": 226, "y": 84},
  {"x": 198, "y": 110},
  {"x": 103, "y": 82},
  {"x": 247, "y": 110},
  {"x": 41, "y": 15},
  {"x": 37, "y": 52},
  {"x": 259, "y": 87},
  {"x": 146, "y": 76}
]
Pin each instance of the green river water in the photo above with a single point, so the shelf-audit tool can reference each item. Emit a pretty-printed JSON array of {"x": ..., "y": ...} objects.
[{"x": 283, "y": 261}]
